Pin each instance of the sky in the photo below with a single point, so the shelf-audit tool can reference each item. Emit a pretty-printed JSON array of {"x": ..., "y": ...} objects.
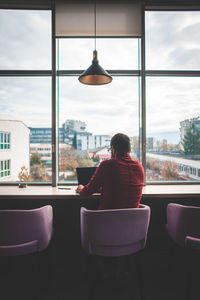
[{"x": 172, "y": 43}]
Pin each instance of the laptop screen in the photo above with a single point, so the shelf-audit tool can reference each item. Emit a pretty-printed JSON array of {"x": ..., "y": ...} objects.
[{"x": 84, "y": 174}]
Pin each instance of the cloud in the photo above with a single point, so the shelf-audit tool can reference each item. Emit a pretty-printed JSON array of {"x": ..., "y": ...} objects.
[
  {"x": 26, "y": 99},
  {"x": 117, "y": 54},
  {"x": 105, "y": 109},
  {"x": 170, "y": 101},
  {"x": 172, "y": 41},
  {"x": 25, "y": 39}
]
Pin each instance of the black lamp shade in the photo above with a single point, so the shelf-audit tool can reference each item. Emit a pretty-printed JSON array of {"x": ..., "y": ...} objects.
[{"x": 95, "y": 74}]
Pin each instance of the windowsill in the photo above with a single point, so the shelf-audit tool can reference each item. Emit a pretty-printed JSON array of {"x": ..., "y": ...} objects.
[{"x": 150, "y": 191}]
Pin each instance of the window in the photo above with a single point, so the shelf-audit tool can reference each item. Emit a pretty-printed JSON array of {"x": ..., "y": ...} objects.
[
  {"x": 4, "y": 140},
  {"x": 172, "y": 40},
  {"x": 25, "y": 85},
  {"x": 157, "y": 101},
  {"x": 91, "y": 115},
  {"x": 172, "y": 96},
  {"x": 25, "y": 46},
  {"x": 5, "y": 168}
]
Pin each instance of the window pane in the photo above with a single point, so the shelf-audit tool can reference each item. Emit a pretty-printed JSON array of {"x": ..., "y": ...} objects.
[
  {"x": 89, "y": 116},
  {"x": 172, "y": 40},
  {"x": 25, "y": 104},
  {"x": 23, "y": 44},
  {"x": 173, "y": 128},
  {"x": 117, "y": 54}
]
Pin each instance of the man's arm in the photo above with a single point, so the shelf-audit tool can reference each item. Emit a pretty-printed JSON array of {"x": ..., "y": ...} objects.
[
  {"x": 94, "y": 184},
  {"x": 79, "y": 188}
]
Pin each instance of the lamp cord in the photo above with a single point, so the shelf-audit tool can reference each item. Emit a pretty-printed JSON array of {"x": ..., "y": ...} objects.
[{"x": 95, "y": 25}]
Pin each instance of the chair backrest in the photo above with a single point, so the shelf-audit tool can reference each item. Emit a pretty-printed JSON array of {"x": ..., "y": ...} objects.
[
  {"x": 182, "y": 222},
  {"x": 25, "y": 231},
  {"x": 114, "y": 232}
]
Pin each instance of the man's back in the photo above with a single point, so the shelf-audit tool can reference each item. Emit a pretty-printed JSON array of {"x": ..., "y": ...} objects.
[{"x": 121, "y": 179}]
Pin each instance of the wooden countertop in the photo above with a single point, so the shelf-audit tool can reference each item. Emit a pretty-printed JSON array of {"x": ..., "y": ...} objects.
[{"x": 155, "y": 191}]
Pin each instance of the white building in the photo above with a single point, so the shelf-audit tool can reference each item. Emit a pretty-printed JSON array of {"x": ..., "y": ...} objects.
[
  {"x": 14, "y": 149},
  {"x": 45, "y": 151},
  {"x": 186, "y": 125},
  {"x": 85, "y": 142},
  {"x": 101, "y": 153}
]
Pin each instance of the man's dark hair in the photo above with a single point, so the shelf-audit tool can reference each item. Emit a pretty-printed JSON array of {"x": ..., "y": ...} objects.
[{"x": 121, "y": 143}]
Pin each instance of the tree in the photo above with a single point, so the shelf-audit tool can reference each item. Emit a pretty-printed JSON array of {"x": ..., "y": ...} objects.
[
  {"x": 38, "y": 173},
  {"x": 74, "y": 141},
  {"x": 96, "y": 159},
  {"x": 86, "y": 162},
  {"x": 191, "y": 141},
  {"x": 70, "y": 159},
  {"x": 169, "y": 170},
  {"x": 153, "y": 164},
  {"x": 35, "y": 159},
  {"x": 162, "y": 145},
  {"x": 24, "y": 175}
]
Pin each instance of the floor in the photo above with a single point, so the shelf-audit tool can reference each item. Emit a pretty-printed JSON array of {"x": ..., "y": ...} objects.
[{"x": 163, "y": 277}]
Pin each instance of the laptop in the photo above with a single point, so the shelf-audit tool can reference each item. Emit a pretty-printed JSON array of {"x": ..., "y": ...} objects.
[{"x": 84, "y": 174}]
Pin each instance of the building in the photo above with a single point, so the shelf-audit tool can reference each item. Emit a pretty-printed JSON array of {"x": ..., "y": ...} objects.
[
  {"x": 149, "y": 143},
  {"x": 14, "y": 149},
  {"x": 99, "y": 154},
  {"x": 45, "y": 152},
  {"x": 70, "y": 127},
  {"x": 85, "y": 142},
  {"x": 186, "y": 125},
  {"x": 43, "y": 135}
]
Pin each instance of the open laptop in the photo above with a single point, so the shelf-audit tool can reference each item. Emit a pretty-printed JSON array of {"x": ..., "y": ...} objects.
[{"x": 84, "y": 174}]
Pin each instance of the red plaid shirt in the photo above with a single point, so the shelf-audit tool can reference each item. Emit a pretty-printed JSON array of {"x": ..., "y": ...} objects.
[{"x": 121, "y": 180}]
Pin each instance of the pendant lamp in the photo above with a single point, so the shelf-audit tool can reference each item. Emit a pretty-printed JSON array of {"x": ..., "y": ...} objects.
[{"x": 95, "y": 74}]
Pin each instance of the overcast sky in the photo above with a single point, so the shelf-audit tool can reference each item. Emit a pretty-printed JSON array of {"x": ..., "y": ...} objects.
[{"x": 172, "y": 42}]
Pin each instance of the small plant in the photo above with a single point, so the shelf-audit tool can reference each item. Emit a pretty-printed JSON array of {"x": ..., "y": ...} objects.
[{"x": 24, "y": 175}]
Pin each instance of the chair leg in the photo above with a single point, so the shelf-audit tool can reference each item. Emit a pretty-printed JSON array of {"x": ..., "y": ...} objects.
[
  {"x": 140, "y": 279},
  {"x": 188, "y": 281},
  {"x": 36, "y": 276},
  {"x": 91, "y": 277}
]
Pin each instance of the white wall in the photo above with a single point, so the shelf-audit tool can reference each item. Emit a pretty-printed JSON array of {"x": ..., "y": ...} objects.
[{"x": 19, "y": 147}]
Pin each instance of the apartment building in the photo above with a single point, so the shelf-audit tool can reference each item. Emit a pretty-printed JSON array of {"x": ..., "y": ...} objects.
[{"x": 14, "y": 149}]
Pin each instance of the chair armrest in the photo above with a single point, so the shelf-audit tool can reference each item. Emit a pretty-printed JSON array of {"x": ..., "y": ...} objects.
[{"x": 192, "y": 242}]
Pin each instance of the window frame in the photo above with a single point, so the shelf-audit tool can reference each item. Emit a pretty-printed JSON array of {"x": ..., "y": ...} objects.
[{"x": 142, "y": 74}]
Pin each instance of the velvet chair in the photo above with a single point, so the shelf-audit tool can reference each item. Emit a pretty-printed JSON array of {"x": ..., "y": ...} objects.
[
  {"x": 25, "y": 232},
  {"x": 183, "y": 227},
  {"x": 114, "y": 232}
]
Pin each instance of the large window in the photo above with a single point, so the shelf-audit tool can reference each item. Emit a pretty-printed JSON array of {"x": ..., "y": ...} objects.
[
  {"x": 172, "y": 96},
  {"x": 90, "y": 115},
  {"x": 153, "y": 98},
  {"x": 25, "y": 40},
  {"x": 25, "y": 93}
]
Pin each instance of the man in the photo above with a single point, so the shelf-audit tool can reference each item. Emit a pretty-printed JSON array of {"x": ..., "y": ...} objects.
[{"x": 121, "y": 178}]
